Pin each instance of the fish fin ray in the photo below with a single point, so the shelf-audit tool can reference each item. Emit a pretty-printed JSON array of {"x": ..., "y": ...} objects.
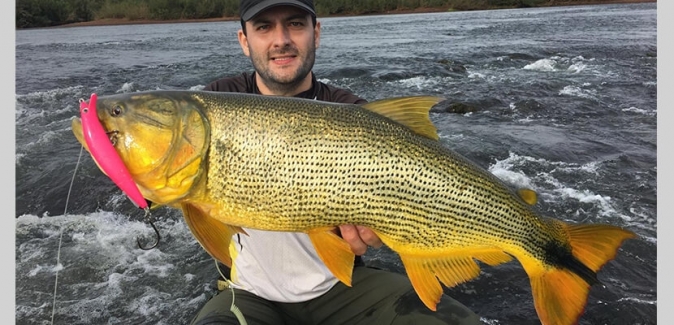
[
  {"x": 335, "y": 253},
  {"x": 410, "y": 111},
  {"x": 594, "y": 245},
  {"x": 213, "y": 235},
  {"x": 426, "y": 274},
  {"x": 455, "y": 270},
  {"x": 423, "y": 280},
  {"x": 494, "y": 258},
  {"x": 561, "y": 292},
  {"x": 529, "y": 196},
  {"x": 559, "y": 296}
]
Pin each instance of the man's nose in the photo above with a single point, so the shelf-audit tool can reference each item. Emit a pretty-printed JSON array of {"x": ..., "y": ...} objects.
[{"x": 281, "y": 36}]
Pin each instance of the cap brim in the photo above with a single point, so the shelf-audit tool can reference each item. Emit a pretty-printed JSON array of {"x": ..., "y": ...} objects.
[{"x": 264, "y": 5}]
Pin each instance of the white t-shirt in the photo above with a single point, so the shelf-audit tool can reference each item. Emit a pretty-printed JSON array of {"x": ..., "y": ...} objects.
[{"x": 278, "y": 266}]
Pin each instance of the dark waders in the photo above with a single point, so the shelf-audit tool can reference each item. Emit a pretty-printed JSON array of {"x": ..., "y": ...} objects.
[{"x": 376, "y": 297}]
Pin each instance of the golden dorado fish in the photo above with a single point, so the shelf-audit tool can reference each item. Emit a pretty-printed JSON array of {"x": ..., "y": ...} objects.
[{"x": 231, "y": 160}]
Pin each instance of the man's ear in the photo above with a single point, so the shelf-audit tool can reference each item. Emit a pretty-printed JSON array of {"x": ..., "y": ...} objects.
[
  {"x": 243, "y": 41},
  {"x": 317, "y": 34}
]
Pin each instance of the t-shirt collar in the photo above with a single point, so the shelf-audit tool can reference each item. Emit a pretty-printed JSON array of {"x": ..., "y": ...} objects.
[{"x": 311, "y": 93}]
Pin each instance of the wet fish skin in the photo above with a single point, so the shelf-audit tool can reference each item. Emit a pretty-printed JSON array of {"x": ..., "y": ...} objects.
[{"x": 287, "y": 164}]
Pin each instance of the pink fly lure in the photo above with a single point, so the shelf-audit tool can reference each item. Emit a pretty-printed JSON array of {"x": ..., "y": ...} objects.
[{"x": 104, "y": 153}]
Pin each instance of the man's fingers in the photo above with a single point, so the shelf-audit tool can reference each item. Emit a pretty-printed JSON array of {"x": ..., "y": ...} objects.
[
  {"x": 359, "y": 238},
  {"x": 352, "y": 236},
  {"x": 369, "y": 237}
]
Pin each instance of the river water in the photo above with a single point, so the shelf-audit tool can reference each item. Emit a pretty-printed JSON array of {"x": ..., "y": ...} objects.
[{"x": 563, "y": 100}]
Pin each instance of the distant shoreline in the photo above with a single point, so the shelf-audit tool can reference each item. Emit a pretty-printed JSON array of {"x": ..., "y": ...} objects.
[{"x": 115, "y": 22}]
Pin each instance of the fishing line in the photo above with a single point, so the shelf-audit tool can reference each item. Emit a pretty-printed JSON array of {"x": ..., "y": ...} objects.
[
  {"x": 233, "y": 308},
  {"x": 58, "y": 252}
]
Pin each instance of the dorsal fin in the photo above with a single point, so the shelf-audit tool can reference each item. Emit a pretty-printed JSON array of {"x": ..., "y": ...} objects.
[{"x": 409, "y": 111}]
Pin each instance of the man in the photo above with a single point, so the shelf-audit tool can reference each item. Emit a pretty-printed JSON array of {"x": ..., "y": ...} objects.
[{"x": 277, "y": 277}]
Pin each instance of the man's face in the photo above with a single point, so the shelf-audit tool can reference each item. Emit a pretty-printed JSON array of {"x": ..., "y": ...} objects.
[{"x": 281, "y": 43}]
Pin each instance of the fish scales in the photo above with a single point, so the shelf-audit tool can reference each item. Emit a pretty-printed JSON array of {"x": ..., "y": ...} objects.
[
  {"x": 320, "y": 164},
  {"x": 233, "y": 161}
]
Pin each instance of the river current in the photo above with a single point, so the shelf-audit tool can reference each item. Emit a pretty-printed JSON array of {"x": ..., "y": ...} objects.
[{"x": 561, "y": 100}]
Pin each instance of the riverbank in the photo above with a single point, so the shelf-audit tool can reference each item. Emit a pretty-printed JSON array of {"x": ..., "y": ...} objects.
[{"x": 112, "y": 22}]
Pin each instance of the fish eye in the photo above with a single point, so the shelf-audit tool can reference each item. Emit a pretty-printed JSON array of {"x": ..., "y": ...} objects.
[{"x": 116, "y": 110}]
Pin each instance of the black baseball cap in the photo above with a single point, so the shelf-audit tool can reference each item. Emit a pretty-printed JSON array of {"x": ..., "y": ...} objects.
[{"x": 250, "y": 8}]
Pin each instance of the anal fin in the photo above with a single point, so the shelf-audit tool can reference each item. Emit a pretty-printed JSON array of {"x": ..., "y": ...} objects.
[
  {"x": 426, "y": 273},
  {"x": 494, "y": 257},
  {"x": 335, "y": 253},
  {"x": 213, "y": 235}
]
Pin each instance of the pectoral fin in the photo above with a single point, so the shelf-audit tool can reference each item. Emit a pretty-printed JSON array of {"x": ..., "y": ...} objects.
[
  {"x": 334, "y": 252},
  {"x": 213, "y": 235}
]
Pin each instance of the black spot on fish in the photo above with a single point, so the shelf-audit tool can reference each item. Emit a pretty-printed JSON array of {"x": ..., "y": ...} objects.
[{"x": 560, "y": 256}]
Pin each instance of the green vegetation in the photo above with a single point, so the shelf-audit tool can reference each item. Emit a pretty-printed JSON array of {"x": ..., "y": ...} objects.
[{"x": 44, "y": 13}]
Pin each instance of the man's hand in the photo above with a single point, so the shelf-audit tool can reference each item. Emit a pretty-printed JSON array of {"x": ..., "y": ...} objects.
[{"x": 359, "y": 238}]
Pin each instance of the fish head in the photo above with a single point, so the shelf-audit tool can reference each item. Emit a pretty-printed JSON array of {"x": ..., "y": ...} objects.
[{"x": 161, "y": 137}]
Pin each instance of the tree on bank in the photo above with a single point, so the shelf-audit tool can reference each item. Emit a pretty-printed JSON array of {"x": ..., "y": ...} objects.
[{"x": 45, "y": 13}]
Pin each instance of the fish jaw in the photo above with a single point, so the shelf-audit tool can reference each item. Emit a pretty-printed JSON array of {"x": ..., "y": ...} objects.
[
  {"x": 78, "y": 131},
  {"x": 162, "y": 141}
]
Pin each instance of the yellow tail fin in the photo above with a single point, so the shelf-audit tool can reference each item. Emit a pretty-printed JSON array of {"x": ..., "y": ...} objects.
[
  {"x": 559, "y": 296},
  {"x": 560, "y": 291},
  {"x": 595, "y": 245}
]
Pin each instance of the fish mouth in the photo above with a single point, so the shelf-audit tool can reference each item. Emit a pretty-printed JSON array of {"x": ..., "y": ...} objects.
[
  {"x": 113, "y": 135},
  {"x": 163, "y": 157},
  {"x": 79, "y": 133}
]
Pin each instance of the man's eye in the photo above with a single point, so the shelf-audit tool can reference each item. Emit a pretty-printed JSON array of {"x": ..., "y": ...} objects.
[{"x": 296, "y": 24}]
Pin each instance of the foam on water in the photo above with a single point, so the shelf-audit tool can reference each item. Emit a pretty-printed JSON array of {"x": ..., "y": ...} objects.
[
  {"x": 639, "y": 301},
  {"x": 127, "y": 87},
  {"x": 577, "y": 67},
  {"x": 197, "y": 87},
  {"x": 101, "y": 266},
  {"x": 578, "y": 92},
  {"x": 542, "y": 65},
  {"x": 49, "y": 95},
  {"x": 636, "y": 110},
  {"x": 509, "y": 171},
  {"x": 517, "y": 178},
  {"x": 417, "y": 82}
]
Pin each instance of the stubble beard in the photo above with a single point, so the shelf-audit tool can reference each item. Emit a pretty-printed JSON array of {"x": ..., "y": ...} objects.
[{"x": 283, "y": 84}]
